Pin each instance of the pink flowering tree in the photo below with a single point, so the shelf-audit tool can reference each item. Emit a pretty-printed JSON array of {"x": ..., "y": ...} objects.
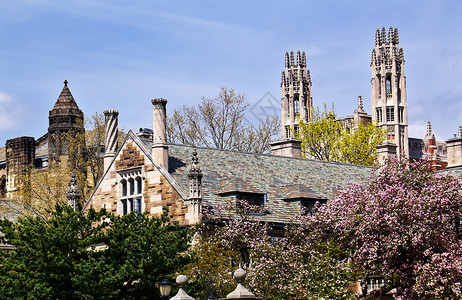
[
  {"x": 287, "y": 267},
  {"x": 404, "y": 225}
]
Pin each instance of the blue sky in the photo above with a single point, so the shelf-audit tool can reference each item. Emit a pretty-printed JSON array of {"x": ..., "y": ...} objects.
[{"x": 120, "y": 54}]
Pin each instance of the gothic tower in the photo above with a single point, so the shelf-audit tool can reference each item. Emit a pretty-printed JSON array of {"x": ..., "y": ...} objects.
[
  {"x": 296, "y": 99},
  {"x": 388, "y": 95},
  {"x": 64, "y": 119}
]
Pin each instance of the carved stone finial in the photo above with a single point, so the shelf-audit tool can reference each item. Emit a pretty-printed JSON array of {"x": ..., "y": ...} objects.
[
  {"x": 383, "y": 37},
  {"x": 303, "y": 59},
  {"x": 299, "y": 58},
  {"x": 73, "y": 195},
  {"x": 390, "y": 35},
  {"x": 287, "y": 59},
  {"x": 195, "y": 177},
  {"x": 396, "y": 36},
  {"x": 401, "y": 54},
  {"x": 377, "y": 37},
  {"x": 460, "y": 131},
  {"x": 360, "y": 103},
  {"x": 292, "y": 59}
]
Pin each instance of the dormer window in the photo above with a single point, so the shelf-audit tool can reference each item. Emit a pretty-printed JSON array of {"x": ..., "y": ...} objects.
[
  {"x": 257, "y": 200},
  {"x": 131, "y": 193}
]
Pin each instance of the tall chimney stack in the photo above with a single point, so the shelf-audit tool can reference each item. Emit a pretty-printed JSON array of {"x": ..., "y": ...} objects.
[
  {"x": 159, "y": 126},
  {"x": 111, "y": 136}
]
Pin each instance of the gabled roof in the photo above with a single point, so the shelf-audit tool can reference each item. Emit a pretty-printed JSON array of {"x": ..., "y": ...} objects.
[
  {"x": 130, "y": 136},
  {"x": 276, "y": 176},
  {"x": 66, "y": 103}
]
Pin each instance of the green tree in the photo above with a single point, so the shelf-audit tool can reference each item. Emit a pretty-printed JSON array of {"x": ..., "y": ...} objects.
[
  {"x": 219, "y": 123},
  {"x": 59, "y": 258},
  {"x": 325, "y": 138}
]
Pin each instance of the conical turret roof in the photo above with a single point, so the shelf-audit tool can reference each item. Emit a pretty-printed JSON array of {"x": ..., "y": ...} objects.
[{"x": 66, "y": 105}]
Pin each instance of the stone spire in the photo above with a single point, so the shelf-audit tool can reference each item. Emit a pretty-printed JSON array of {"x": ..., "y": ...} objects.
[
  {"x": 73, "y": 195},
  {"x": 429, "y": 134},
  {"x": 111, "y": 136}
]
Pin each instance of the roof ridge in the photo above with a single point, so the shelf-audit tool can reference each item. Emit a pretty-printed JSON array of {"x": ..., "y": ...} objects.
[{"x": 271, "y": 155}]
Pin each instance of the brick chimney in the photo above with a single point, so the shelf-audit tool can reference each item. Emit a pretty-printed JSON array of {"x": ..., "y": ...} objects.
[{"x": 159, "y": 126}]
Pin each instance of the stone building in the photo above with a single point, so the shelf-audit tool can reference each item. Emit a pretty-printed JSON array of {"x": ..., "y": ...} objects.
[
  {"x": 148, "y": 175},
  {"x": 23, "y": 152}
]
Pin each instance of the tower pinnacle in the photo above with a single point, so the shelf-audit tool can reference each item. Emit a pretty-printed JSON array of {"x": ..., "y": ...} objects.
[
  {"x": 388, "y": 92},
  {"x": 296, "y": 93}
]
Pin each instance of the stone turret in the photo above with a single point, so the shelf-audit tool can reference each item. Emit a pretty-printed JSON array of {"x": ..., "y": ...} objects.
[
  {"x": 111, "y": 136},
  {"x": 64, "y": 119},
  {"x": 159, "y": 140},
  {"x": 296, "y": 99},
  {"x": 388, "y": 89}
]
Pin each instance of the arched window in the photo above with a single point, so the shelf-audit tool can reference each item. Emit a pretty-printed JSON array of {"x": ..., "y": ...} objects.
[
  {"x": 388, "y": 85},
  {"x": 296, "y": 105}
]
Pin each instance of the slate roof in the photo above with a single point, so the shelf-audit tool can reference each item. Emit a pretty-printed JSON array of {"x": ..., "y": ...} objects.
[
  {"x": 66, "y": 105},
  {"x": 279, "y": 177}
]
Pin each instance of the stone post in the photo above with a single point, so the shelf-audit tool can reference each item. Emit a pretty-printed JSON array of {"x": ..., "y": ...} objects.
[
  {"x": 159, "y": 140},
  {"x": 111, "y": 136},
  {"x": 181, "y": 280},
  {"x": 240, "y": 292}
]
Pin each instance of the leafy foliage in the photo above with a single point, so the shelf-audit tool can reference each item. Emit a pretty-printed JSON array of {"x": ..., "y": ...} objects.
[
  {"x": 404, "y": 225},
  {"x": 219, "y": 123},
  {"x": 57, "y": 259},
  {"x": 325, "y": 138},
  {"x": 288, "y": 267}
]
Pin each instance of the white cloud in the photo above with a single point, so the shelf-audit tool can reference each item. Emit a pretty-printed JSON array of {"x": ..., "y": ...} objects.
[
  {"x": 417, "y": 129},
  {"x": 11, "y": 113}
]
